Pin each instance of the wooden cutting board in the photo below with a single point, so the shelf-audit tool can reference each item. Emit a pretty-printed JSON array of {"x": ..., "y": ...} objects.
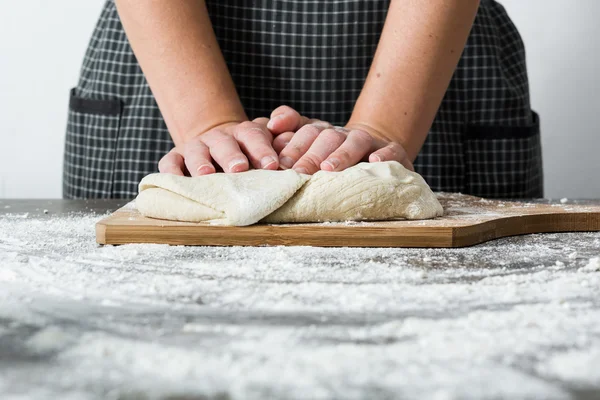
[{"x": 467, "y": 221}]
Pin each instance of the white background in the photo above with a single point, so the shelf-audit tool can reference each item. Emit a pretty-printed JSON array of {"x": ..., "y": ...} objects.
[{"x": 42, "y": 44}]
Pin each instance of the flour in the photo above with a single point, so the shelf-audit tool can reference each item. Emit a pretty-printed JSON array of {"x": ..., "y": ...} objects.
[
  {"x": 592, "y": 266},
  {"x": 48, "y": 339},
  {"x": 158, "y": 321}
]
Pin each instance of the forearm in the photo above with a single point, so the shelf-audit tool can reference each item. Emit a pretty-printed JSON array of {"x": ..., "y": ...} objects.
[
  {"x": 419, "y": 50},
  {"x": 177, "y": 50}
]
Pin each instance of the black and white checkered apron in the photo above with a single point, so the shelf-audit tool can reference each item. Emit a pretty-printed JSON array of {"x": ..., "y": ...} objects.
[{"x": 313, "y": 55}]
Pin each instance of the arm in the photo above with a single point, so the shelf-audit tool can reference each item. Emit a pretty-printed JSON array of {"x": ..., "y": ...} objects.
[
  {"x": 178, "y": 52},
  {"x": 176, "y": 48},
  {"x": 417, "y": 55},
  {"x": 418, "y": 51}
]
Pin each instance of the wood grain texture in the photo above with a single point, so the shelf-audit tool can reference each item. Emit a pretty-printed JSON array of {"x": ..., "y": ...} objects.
[{"x": 467, "y": 221}]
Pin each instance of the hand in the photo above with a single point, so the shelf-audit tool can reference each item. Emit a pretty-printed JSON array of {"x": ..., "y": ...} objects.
[
  {"x": 308, "y": 145},
  {"x": 233, "y": 146}
]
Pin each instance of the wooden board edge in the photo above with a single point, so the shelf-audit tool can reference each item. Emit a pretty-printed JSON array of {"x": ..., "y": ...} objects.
[
  {"x": 101, "y": 232},
  {"x": 518, "y": 225},
  {"x": 273, "y": 236}
]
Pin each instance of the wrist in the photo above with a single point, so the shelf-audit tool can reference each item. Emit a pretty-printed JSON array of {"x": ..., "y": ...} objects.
[
  {"x": 372, "y": 130},
  {"x": 222, "y": 121}
]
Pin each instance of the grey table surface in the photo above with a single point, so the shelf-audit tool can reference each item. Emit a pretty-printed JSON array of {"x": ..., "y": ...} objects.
[{"x": 513, "y": 318}]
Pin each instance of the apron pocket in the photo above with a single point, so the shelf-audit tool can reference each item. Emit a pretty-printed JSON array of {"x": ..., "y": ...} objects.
[
  {"x": 90, "y": 147},
  {"x": 504, "y": 161}
]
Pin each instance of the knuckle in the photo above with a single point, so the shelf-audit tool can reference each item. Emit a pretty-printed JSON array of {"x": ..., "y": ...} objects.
[
  {"x": 193, "y": 150},
  {"x": 249, "y": 130},
  {"x": 334, "y": 134},
  {"x": 397, "y": 150},
  {"x": 293, "y": 150},
  {"x": 212, "y": 135},
  {"x": 312, "y": 160},
  {"x": 310, "y": 130},
  {"x": 167, "y": 164},
  {"x": 343, "y": 155},
  {"x": 394, "y": 146},
  {"x": 167, "y": 157},
  {"x": 260, "y": 120},
  {"x": 246, "y": 125},
  {"x": 218, "y": 139},
  {"x": 362, "y": 136}
]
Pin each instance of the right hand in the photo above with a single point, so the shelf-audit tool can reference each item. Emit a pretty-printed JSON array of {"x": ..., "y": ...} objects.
[
  {"x": 309, "y": 145},
  {"x": 234, "y": 147}
]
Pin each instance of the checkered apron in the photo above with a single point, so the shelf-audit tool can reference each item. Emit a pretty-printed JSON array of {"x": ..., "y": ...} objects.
[{"x": 313, "y": 55}]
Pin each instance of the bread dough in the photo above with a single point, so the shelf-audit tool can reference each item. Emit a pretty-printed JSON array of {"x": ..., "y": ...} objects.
[
  {"x": 366, "y": 191},
  {"x": 225, "y": 199}
]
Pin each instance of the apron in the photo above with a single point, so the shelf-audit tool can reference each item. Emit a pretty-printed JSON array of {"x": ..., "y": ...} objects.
[{"x": 313, "y": 56}]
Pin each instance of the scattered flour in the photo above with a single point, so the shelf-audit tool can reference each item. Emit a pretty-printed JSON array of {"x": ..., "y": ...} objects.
[
  {"x": 592, "y": 266},
  {"x": 48, "y": 339},
  {"x": 514, "y": 318}
]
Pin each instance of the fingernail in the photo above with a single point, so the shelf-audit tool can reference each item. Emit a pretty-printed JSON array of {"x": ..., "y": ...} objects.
[
  {"x": 205, "y": 169},
  {"x": 286, "y": 162},
  {"x": 272, "y": 121},
  {"x": 333, "y": 163},
  {"x": 377, "y": 158},
  {"x": 236, "y": 163},
  {"x": 301, "y": 171},
  {"x": 267, "y": 161}
]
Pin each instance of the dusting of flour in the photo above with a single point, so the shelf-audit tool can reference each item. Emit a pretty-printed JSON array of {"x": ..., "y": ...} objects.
[{"x": 515, "y": 318}]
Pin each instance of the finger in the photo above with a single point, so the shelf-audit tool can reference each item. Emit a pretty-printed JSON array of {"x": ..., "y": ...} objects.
[
  {"x": 285, "y": 118},
  {"x": 322, "y": 124},
  {"x": 225, "y": 150},
  {"x": 255, "y": 141},
  {"x": 299, "y": 145},
  {"x": 392, "y": 152},
  {"x": 261, "y": 121},
  {"x": 355, "y": 147},
  {"x": 172, "y": 163},
  {"x": 281, "y": 141},
  {"x": 328, "y": 141},
  {"x": 197, "y": 158}
]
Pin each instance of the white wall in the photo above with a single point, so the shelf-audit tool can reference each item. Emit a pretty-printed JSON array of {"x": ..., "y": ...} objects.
[
  {"x": 41, "y": 48},
  {"x": 562, "y": 40},
  {"x": 42, "y": 43}
]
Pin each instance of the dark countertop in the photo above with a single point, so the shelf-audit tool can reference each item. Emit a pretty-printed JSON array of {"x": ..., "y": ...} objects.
[
  {"x": 513, "y": 318},
  {"x": 42, "y": 207}
]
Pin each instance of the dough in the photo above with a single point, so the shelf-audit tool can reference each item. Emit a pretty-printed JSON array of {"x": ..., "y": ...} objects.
[
  {"x": 225, "y": 199},
  {"x": 367, "y": 191}
]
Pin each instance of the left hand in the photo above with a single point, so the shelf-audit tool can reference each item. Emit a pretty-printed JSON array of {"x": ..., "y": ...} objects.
[{"x": 309, "y": 145}]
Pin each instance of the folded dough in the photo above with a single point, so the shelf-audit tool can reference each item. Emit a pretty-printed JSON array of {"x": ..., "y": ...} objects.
[
  {"x": 225, "y": 199},
  {"x": 367, "y": 191}
]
